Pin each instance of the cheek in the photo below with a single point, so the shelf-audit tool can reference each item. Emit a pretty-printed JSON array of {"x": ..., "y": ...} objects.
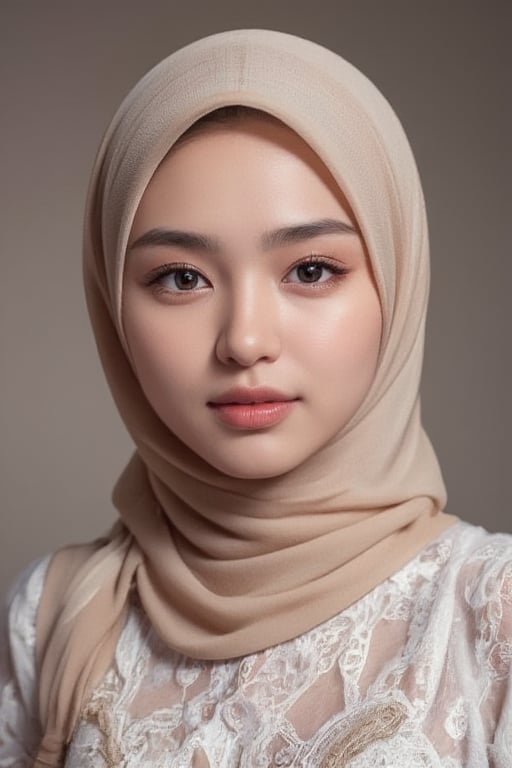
[
  {"x": 345, "y": 341},
  {"x": 346, "y": 364},
  {"x": 164, "y": 355}
]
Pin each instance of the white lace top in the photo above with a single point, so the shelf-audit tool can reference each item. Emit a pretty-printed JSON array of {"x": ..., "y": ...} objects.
[{"x": 416, "y": 673}]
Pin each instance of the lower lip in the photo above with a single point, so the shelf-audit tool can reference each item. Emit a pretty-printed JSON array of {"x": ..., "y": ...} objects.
[{"x": 254, "y": 415}]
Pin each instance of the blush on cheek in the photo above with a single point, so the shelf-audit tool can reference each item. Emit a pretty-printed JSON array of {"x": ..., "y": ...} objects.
[{"x": 356, "y": 350}]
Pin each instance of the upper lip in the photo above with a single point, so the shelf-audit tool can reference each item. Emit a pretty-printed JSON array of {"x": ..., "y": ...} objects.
[{"x": 245, "y": 395}]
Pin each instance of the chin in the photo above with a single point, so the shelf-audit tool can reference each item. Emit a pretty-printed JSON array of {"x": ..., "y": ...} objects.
[{"x": 251, "y": 470}]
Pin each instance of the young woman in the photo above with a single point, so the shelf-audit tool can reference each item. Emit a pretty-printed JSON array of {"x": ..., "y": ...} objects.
[{"x": 283, "y": 587}]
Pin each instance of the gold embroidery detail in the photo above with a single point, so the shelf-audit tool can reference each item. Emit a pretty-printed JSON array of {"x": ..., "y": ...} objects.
[
  {"x": 381, "y": 723},
  {"x": 98, "y": 712}
]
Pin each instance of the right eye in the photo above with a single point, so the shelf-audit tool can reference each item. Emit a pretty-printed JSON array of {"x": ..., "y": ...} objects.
[{"x": 176, "y": 279}]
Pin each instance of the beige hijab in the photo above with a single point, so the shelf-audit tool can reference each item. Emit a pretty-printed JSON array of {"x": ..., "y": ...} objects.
[{"x": 225, "y": 567}]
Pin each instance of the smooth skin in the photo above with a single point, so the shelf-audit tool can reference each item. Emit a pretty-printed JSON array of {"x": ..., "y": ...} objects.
[{"x": 238, "y": 307}]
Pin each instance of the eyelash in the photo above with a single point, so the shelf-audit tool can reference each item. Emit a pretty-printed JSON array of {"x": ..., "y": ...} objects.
[{"x": 154, "y": 278}]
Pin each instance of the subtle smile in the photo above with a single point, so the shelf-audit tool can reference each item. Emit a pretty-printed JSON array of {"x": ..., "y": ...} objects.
[{"x": 252, "y": 407}]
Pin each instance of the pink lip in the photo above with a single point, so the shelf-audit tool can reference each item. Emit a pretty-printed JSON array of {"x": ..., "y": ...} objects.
[
  {"x": 252, "y": 407},
  {"x": 245, "y": 395}
]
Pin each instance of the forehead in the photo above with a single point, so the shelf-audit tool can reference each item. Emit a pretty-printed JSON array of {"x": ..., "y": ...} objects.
[{"x": 251, "y": 167}]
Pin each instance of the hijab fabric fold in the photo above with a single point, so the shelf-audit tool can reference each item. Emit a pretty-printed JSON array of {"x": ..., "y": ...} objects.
[{"x": 225, "y": 567}]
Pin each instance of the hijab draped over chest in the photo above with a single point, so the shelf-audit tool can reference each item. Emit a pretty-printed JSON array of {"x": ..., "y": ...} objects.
[{"x": 225, "y": 567}]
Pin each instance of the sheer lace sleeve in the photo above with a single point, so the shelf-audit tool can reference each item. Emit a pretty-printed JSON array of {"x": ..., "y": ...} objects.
[
  {"x": 492, "y": 602},
  {"x": 19, "y": 730}
]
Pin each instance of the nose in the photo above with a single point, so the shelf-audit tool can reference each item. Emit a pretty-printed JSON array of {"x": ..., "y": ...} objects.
[{"x": 250, "y": 326}]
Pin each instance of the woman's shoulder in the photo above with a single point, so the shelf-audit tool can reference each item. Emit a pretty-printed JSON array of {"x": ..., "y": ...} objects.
[
  {"x": 483, "y": 624},
  {"x": 19, "y": 728},
  {"x": 20, "y": 606},
  {"x": 480, "y": 560},
  {"x": 471, "y": 537},
  {"x": 475, "y": 574},
  {"x": 22, "y": 597},
  {"x": 465, "y": 563},
  {"x": 460, "y": 592}
]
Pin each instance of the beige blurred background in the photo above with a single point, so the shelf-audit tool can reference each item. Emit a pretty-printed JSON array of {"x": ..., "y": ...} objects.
[{"x": 446, "y": 68}]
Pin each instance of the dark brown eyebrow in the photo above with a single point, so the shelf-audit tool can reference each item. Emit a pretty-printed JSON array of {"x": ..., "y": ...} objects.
[
  {"x": 190, "y": 241},
  {"x": 298, "y": 232},
  {"x": 193, "y": 241}
]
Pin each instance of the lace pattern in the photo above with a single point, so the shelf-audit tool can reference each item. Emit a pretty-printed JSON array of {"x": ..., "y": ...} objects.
[{"x": 416, "y": 673}]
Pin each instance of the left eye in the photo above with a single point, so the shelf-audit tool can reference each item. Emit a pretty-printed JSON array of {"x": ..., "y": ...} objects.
[
  {"x": 311, "y": 272},
  {"x": 181, "y": 280}
]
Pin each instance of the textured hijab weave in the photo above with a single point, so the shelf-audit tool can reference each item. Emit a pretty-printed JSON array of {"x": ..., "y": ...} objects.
[{"x": 224, "y": 567}]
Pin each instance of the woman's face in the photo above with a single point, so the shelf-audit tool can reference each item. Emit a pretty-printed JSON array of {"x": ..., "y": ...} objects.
[{"x": 245, "y": 272}]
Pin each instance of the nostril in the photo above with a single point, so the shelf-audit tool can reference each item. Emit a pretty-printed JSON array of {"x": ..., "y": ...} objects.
[{"x": 246, "y": 350}]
